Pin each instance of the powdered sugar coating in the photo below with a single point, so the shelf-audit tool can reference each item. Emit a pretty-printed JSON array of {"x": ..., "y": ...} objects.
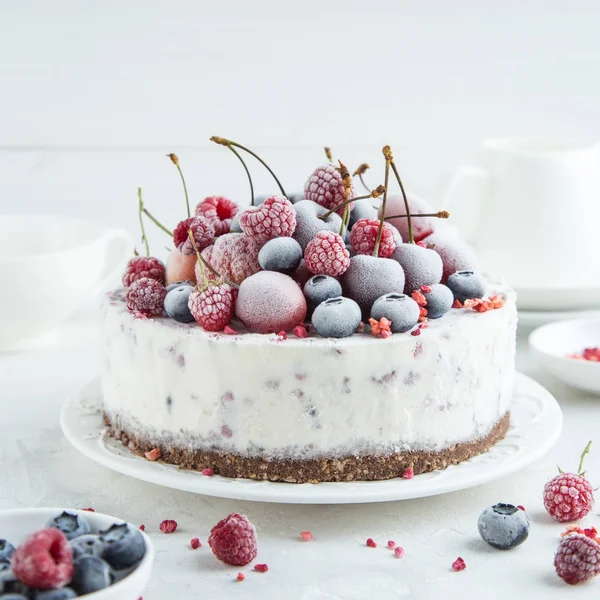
[
  {"x": 364, "y": 236},
  {"x": 219, "y": 211},
  {"x": 456, "y": 255},
  {"x": 326, "y": 254},
  {"x": 577, "y": 558},
  {"x": 202, "y": 229},
  {"x": 234, "y": 256},
  {"x": 212, "y": 307},
  {"x": 270, "y": 302},
  {"x": 147, "y": 296},
  {"x": 139, "y": 267},
  {"x": 422, "y": 226},
  {"x": 275, "y": 217},
  {"x": 308, "y": 223},
  {"x": 421, "y": 266},
  {"x": 369, "y": 278},
  {"x": 326, "y": 187}
]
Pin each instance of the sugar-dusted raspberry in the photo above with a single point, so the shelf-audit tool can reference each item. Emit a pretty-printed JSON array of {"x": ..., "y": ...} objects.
[
  {"x": 143, "y": 266},
  {"x": 203, "y": 230},
  {"x": 146, "y": 296},
  {"x": 219, "y": 211},
  {"x": 44, "y": 560},
  {"x": 275, "y": 217},
  {"x": 234, "y": 256},
  {"x": 233, "y": 540},
  {"x": 212, "y": 307},
  {"x": 326, "y": 187},
  {"x": 577, "y": 558},
  {"x": 326, "y": 254},
  {"x": 568, "y": 497},
  {"x": 364, "y": 235}
]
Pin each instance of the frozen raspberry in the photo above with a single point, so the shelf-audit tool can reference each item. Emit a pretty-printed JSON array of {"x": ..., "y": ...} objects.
[
  {"x": 168, "y": 526},
  {"x": 219, "y": 211},
  {"x": 44, "y": 560},
  {"x": 364, "y": 235},
  {"x": 212, "y": 307},
  {"x": 146, "y": 296},
  {"x": 398, "y": 551},
  {"x": 577, "y": 558},
  {"x": 234, "y": 256},
  {"x": 371, "y": 543},
  {"x": 143, "y": 266},
  {"x": 275, "y": 217},
  {"x": 326, "y": 187},
  {"x": 568, "y": 497},
  {"x": 422, "y": 226},
  {"x": 233, "y": 540},
  {"x": 327, "y": 254},
  {"x": 203, "y": 230},
  {"x": 195, "y": 543}
]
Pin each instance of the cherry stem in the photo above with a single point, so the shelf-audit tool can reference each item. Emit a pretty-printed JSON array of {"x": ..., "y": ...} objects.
[
  {"x": 157, "y": 222},
  {"x": 204, "y": 263},
  {"x": 442, "y": 214},
  {"x": 174, "y": 158},
  {"x": 247, "y": 173},
  {"x": 205, "y": 283},
  {"x": 363, "y": 181},
  {"x": 224, "y": 142},
  {"x": 345, "y": 203},
  {"x": 383, "y": 204},
  {"x": 140, "y": 211},
  {"x": 328, "y": 154},
  {"x": 411, "y": 237},
  {"x": 583, "y": 455}
]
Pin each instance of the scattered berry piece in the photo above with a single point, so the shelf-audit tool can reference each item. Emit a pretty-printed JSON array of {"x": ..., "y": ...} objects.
[
  {"x": 202, "y": 230},
  {"x": 363, "y": 238},
  {"x": 457, "y": 304},
  {"x": 261, "y": 568},
  {"x": 503, "y": 526},
  {"x": 371, "y": 543},
  {"x": 240, "y": 577},
  {"x": 212, "y": 306},
  {"x": 336, "y": 317},
  {"x": 300, "y": 331},
  {"x": 306, "y": 536},
  {"x": 282, "y": 335},
  {"x": 520, "y": 507},
  {"x": 146, "y": 296},
  {"x": 381, "y": 327},
  {"x": 88, "y": 509},
  {"x": 591, "y": 354},
  {"x": 326, "y": 254},
  {"x": 168, "y": 526},
  {"x": 140, "y": 267},
  {"x": 153, "y": 454},
  {"x": 577, "y": 558},
  {"x": 276, "y": 217},
  {"x": 398, "y": 551},
  {"x": 208, "y": 472},
  {"x": 233, "y": 540},
  {"x": 459, "y": 564},
  {"x": 228, "y": 331},
  {"x": 408, "y": 473},
  {"x": 142, "y": 527},
  {"x": 326, "y": 187},
  {"x": 220, "y": 211},
  {"x": 195, "y": 543},
  {"x": 391, "y": 544},
  {"x": 415, "y": 332},
  {"x": 402, "y": 311}
]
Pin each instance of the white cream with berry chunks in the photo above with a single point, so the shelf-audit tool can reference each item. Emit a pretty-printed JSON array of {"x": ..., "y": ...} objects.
[{"x": 395, "y": 370}]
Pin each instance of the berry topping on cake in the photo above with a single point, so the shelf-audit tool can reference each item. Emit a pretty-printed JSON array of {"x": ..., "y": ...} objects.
[
  {"x": 380, "y": 328},
  {"x": 203, "y": 230},
  {"x": 439, "y": 300},
  {"x": 422, "y": 226},
  {"x": 466, "y": 285},
  {"x": 326, "y": 187},
  {"x": 577, "y": 558},
  {"x": 91, "y": 575},
  {"x": 364, "y": 236},
  {"x": 140, "y": 267},
  {"x": 276, "y": 217},
  {"x": 176, "y": 303},
  {"x": 401, "y": 310},
  {"x": 146, "y": 296},
  {"x": 336, "y": 317},
  {"x": 233, "y": 540},
  {"x": 270, "y": 302},
  {"x": 326, "y": 254},
  {"x": 234, "y": 256},
  {"x": 456, "y": 255},
  {"x": 71, "y": 525},
  {"x": 44, "y": 560},
  {"x": 310, "y": 220},
  {"x": 421, "y": 266},
  {"x": 319, "y": 288},
  {"x": 503, "y": 526},
  {"x": 220, "y": 211},
  {"x": 212, "y": 305},
  {"x": 282, "y": 254}
]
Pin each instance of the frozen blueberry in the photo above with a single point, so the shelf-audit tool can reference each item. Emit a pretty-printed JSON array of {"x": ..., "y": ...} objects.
[
  {"x": 87, "y": 545},
  {"x": 235, "y": 226},
  {"x": 308, "y": 223},
  {"x": 466, "y": 284},
  {"x": 400, "y": 309},
  {"x": 282, "y": 254},
  {"x": 13, "y": 597},
  {"x": 124, "y": 546},
  {"x": 319, "y": 288},
  {"x": 421, "y": 266},
  {"x": 91, "y": 574},
  {"x": 503, "y": 526},
  {"x": 176, "y": 284},
  {"x": 9, "y": 584},
  {"x": 336, "y": 317},
  {"x": 363, "y": 209},
  {"x": 65, "y": 593},
  {"x": 439, "y": 300},
  {"x": 7, "y": 549},
  {"x": 71, "y": 524},
  {"x": 176, "y": 303}
]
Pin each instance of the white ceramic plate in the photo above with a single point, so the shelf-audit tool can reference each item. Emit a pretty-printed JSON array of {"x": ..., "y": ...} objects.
[
  {"x": 576, "y": 297},
  {"x": 551, "y": 344},
  {"x": 18, "y": 524},
  {"x": 536, "y": 424},
  {"x": 529, "y": 319}
]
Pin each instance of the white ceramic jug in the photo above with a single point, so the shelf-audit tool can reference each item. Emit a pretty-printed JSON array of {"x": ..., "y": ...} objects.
[{"x": 532, "y": 211}]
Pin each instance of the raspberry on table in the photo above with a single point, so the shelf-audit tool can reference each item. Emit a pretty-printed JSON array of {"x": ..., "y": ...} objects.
[
  {"x": 568, "y": 497},
  {"x": 233, "y": 540},
  {"x": 212, "y": 307},
  {"x": 577, "y": 558},
  {"x": 326, "y": 187},
  {"x": 363, "y": 237},
  {"x": 275, "y": 217},
  {"x": 146, "y": 296},
  {"x": 44, "y": 560},
  {"x": 219, "y": 211},
  {"x": 139, "y": 267},
  {"x": 326, "y": 254},
  {"x": 202, "y": 230}
]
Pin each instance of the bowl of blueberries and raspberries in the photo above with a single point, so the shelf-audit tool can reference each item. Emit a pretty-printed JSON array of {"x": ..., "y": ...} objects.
[{"x": 59, "y": 554}]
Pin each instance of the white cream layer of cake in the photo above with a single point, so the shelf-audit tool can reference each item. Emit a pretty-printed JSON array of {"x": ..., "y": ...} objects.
[{"x": 256, "y": 395}]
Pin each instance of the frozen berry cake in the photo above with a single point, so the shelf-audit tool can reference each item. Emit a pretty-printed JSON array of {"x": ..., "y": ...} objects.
[{"x": 293, "y": 342}]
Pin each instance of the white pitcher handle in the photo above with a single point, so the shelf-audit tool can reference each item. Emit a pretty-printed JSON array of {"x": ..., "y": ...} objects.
[
  {"x": 118, "y": 244},
  {"x": 463, "y": 198}
]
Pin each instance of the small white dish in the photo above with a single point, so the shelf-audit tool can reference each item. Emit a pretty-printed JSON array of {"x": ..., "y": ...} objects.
[
  {"x": 552, "y": 344},
  {"x": 18, "y": 524},
  {"x": 529, "y": 319},
  {"x": 536, "y": 424},
  {"x": 561, "y": 299},
  {"x": 50, "y": 266}
]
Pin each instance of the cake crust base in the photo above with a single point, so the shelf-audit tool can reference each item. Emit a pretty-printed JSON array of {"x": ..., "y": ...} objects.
[{"x": 350, "y": 468}]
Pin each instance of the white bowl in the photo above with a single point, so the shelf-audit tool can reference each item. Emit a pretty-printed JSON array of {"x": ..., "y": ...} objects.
[
  {"x": 50, "y": 266},
  {"x": 18, "y": 524},
  {"x": 552, "y": 344}
]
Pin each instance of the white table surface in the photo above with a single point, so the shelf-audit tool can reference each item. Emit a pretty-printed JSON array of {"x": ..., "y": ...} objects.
[{"x": 40, "y": 468}]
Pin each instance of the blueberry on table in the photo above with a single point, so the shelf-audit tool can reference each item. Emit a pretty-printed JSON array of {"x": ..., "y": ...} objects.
[
  {"x": 466, "y": 285},
  {"x": 503, "y": 526},
  {"x": 336, "y": 317},
  {"x": 6, "y": 550},
  {"x": 176, "y": 303},
  {"x": 87, "y": 545},
  {"x": 70, "y": 524},
  {"x": 124, "y": 546},
  {"x": 91, "y": 574}
]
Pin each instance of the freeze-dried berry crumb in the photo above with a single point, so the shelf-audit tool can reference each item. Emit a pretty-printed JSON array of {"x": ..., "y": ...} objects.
[
  {"x": 168, "y": 526},
  {"x": 282, "y": 335},
  {"x": 261, "y": 568},
  {"x": 457, "y": 304},
  {"x": 88, "y": 509},
  {"x": 306, "y": 536},
  {"x": 415, "y": 332},
  {"x": 398, "y": 551},
  {"x": 240, "y": 577},
  {"x": 300, "y": 331},
  {"x": 408, "y": 473},
  {"x": 227, "y": 330},
  {"x": 426, "y": 289},
  {"x": 391, "y": 544},
  {"x": 142, "y": 527},
  {"x": 520, "y": 506},
  {"x": 208, "y": 472},
  {"x": 195, "y": 543},
  {"x": 371, "y": 543},
  {"x": 153, "y": 454},
  {"x": 459, "y": 564}
]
